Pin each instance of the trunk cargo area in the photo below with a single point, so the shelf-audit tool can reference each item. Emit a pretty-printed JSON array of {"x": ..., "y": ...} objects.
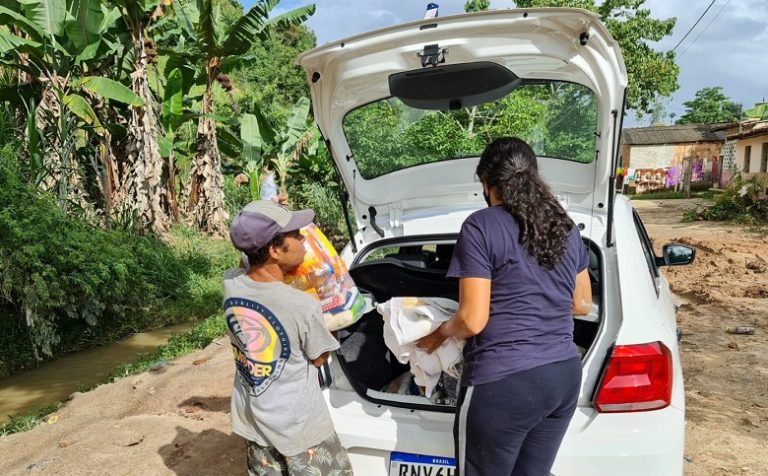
[{"x": 418, "y": 269}]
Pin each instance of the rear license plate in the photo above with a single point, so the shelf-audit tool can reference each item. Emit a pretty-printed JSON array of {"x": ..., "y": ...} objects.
[{"x": 407, "y": 464}]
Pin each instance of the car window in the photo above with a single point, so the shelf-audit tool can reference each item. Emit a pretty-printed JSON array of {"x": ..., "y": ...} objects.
[
  {"x": 558, "y": 119},
  {"x": 650, "y": 255}
]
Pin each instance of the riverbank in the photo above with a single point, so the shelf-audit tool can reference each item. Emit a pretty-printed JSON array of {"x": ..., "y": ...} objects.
[
  {"x": 176, "y": 280},
  {"x": 28, "y": 398},
  {"x": 192, "y": 296},
  {"x": 54, "y": 381}
]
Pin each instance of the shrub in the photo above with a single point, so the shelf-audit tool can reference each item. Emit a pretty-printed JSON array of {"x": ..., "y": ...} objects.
[
  {"x": 744, "y": 201},
  {"x": 235, "y": 197},
  {"x": 329, "y": 211},
  {"x": 27, "y": 420},
  {"x": 66, "y": 285}
]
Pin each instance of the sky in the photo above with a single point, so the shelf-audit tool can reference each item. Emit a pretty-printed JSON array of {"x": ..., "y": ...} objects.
[{"x": 727, "y": 48}]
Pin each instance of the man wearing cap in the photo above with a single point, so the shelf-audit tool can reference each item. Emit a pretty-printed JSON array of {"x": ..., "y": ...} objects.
[{"x": 279, "y": 339}]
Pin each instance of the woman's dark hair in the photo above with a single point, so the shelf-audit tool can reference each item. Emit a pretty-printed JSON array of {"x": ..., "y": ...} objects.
[
  {"x": 509, "y": 165},
  {"x": 259, "y": 256}
]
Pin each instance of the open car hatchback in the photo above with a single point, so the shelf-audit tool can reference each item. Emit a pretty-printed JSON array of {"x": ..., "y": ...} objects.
[{"x": 406, "y": 112}]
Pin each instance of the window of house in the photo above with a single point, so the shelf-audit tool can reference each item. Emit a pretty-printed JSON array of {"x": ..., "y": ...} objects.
[
  {"x": 747, "y": 156},
  {"x": 764, "y": 159}
]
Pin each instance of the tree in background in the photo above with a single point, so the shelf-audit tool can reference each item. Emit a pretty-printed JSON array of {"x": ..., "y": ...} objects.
[
  {"x": 144, "y": 186},
  {"x": 651, "y": 73},
  {"x": 759, "y": 112},
  {"x": 476, "y": 5},
  {"x": 222, "y": 48},
  {"x": 271, "y": 76},
  {"x": 710, "y": 106},
  {"x": 63, "y": 51}
]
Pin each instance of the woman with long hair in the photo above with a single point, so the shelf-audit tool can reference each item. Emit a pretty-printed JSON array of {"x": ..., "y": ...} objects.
[{"x": 522, "y": 269}]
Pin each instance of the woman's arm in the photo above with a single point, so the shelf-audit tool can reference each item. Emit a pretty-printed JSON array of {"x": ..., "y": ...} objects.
[
  {"x": 471, "y": 317},
  {"x": 582, "y": 294}
]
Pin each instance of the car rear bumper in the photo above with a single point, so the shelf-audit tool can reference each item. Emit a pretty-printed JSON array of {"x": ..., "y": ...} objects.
[{"x": 629, "y": 444}]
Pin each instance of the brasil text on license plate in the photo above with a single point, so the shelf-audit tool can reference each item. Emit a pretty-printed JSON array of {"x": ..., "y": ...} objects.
[{"x": 407, "y": 464}]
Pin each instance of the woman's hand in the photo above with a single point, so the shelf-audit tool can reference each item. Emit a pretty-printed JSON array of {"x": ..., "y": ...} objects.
[
  {"x": 431, "y": 342},
  {"x": 470, "y": 319}
]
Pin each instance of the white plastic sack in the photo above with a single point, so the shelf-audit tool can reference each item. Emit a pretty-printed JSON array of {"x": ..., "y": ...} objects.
[{"x": 408, "y": 319}]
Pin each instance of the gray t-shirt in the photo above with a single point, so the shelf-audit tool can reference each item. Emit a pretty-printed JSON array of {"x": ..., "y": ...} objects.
[{"x": 275, "y": 332}]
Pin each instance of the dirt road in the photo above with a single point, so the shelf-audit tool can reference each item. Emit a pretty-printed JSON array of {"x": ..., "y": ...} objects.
[
  {"x": 726, "y": 376},
  {"x": 175, "y": 419}
]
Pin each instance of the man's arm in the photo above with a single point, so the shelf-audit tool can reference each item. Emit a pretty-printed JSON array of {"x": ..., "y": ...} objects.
[
  {"x": 318, "y": 362},
  {"x": 317, "y": 341}
]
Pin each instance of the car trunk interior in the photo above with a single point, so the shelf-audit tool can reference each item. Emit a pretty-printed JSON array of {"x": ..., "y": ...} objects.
[{"x": 417, "y": 268}]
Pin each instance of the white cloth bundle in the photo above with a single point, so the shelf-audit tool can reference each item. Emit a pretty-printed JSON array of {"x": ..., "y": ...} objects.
[{"x": 408, "y": 319}]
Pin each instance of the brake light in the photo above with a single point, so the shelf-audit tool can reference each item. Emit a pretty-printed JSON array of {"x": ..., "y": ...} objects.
[{"x": 637, "y": 378}]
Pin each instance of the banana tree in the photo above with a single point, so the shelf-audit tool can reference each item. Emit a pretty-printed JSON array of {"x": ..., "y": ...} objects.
[
  {"x": 267, "y": 145},
  {"x": 250, "y": 138},
  {"x": 294, "y": 139},
  {"x": 144, "y": 187},
  {"x": 220, "y": 52},
  {"x": 55, "y": 44}
]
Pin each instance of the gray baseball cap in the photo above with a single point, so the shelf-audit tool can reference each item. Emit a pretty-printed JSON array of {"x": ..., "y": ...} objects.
[{"x": 258, "y": 222}]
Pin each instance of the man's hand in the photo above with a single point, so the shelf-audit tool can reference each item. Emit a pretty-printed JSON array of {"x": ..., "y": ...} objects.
[
  {"x": 431, "y": 342},
  {"x": 318, "y": 362}
]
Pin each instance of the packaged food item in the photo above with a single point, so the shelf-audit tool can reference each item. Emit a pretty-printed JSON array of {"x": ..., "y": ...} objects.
[{"x": 324, "y": 275}]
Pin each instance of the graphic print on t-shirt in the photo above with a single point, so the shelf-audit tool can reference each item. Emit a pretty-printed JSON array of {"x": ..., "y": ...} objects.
[{"x": 262, "y": 346}]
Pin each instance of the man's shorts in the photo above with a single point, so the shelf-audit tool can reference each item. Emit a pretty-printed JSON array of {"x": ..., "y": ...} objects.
[{"x": 327, "y": 458}]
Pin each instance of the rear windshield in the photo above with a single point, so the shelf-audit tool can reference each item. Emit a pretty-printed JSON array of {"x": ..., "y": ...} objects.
[{"x": 557, "y": 119}]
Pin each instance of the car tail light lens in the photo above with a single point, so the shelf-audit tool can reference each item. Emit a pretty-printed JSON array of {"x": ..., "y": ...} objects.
[{"x": 636, "y": 378}]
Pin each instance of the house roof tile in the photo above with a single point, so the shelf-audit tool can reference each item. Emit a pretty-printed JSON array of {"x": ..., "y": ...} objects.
[{"x": 659, "y": 135}]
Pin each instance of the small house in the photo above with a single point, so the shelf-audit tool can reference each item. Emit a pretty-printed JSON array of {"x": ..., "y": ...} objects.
[{"x": 670, "y": 157}]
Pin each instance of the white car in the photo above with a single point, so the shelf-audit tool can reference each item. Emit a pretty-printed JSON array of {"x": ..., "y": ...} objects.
[{"x": 406, "y": 112}]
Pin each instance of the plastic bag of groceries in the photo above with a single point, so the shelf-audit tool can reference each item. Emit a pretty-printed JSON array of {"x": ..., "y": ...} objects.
[{"x": 324, "y": 275}]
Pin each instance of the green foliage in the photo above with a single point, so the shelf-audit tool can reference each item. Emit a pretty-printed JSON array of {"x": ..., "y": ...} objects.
[
  {"x": 80, "y": 107},
  {"x": 48, "y": 14},
  {"x": 744, "y": 201},
  {"x": 651, "y": 73},
  {"x": 557, "y": 119},
  {"x": 710, "y": 106},
  {"x": 109, "y": 89},
  {"x": 28, "y": 420},
  {"x": 329, "y": 211},
  {"x": 476, "y": 5},
  {"x": 270, "y": 78},
  {"x": 671, "y": 194},
  {"x": 235, "y": 197},
  {"x": 760, "y": 111},
  {"x": 316, "y": 166},
  {"x": 80, "y": 286},
  {"x": 77, "y": 272}
]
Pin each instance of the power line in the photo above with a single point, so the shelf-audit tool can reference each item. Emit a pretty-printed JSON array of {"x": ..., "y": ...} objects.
[
  {"x": 694, "y": 25},
  {"x": 705, "y": 29}
]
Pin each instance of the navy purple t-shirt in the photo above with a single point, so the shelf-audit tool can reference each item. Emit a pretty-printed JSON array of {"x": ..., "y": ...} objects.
[{"x": 530, "y": 322}]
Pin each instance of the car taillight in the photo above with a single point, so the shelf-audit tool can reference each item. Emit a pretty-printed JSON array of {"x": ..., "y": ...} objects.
[{"x": 636, "y": 378}]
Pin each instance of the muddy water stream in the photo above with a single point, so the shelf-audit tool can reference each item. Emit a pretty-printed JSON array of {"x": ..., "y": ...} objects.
[{"x": 55, "y": 381}]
